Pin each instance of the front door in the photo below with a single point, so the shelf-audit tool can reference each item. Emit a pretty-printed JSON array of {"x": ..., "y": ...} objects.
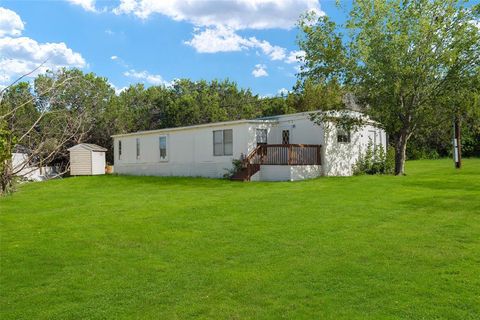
[{"x": 285, "y": 136}]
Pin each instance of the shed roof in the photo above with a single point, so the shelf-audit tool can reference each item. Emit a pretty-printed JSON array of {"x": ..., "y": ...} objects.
[{"x": 88, "y": 146}]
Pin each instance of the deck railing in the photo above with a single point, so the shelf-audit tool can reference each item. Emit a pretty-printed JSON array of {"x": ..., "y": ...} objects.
[
  {"x": 286, "y": 154},
  {"x": 278, "y": 154}
]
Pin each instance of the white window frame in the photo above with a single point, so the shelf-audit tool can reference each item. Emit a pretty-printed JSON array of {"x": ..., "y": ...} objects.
[
  {"x": 259, "y": 134},
  {"x": 223, "y": 153},
  {"x": 163, "y": 159},
  {"x": 343, "y": 133}
]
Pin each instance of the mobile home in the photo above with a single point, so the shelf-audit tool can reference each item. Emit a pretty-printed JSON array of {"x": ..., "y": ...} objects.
[{"x": 285, "y": 147}]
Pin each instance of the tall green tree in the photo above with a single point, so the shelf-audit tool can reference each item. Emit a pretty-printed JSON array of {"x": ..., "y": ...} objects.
[
  {"x": 43, "y": 122},
  {"x": 85, "y": 95},
  {"x": 399, "y": 57}
]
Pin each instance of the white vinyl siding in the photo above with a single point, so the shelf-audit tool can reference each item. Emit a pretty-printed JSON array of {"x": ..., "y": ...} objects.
[{"x": 80, "y": 162}]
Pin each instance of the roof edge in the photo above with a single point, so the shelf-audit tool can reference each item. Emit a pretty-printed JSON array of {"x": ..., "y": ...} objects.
[
  {"x": 204, "y": 125},
  {"x": 88, "y": 146}
]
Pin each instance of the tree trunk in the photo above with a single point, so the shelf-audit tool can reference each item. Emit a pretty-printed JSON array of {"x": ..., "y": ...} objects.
[
  {"x": 6, "y": 177},
  {"x": 400, "y": 153}
]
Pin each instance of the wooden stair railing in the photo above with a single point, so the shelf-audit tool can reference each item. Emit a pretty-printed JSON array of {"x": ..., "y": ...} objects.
[{"x": 249, "y": 166}]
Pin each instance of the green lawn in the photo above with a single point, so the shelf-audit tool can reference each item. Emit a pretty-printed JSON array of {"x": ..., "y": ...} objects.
[{"x": 370, "y": 247}]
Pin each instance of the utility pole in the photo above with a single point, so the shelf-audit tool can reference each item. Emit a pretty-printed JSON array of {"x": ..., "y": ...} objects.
[{"x": 457, "y": 142}]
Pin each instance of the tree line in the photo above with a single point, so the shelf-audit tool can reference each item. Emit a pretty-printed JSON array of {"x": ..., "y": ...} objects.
[{"x": 60, "y": 109}]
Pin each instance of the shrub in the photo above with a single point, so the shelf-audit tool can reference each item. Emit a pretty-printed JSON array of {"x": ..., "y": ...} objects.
[
  {"x": 375, "y": 161},
  {"x": 237, "y": 165}
]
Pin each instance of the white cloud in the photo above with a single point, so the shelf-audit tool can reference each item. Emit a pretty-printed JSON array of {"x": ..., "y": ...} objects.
[
  {"x": 218, "y": 21},
  {"x": 223, "y": 39},
  {"x": 117, "y": 89},
  {"x": 260, "y": 70},
  {"x": 219, "y": 39},
  {"x": 10, "y": 23},
  {"x": 27, "y": 49},
  {"x": 21, "y": 55},
  {"x": 295, "y": 56},
  {"x": 283, "y": 92},
  {"x": 274, "y": 52},
  {"x": 87, "y": 5},
  {"x": 236, "y": 14},
  {"x": 127, "y": 6},
  {"x": 145, "y": 76},
  {"x": 119, "y": 61}
]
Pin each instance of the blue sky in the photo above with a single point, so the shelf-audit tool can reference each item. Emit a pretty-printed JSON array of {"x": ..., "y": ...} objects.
[{"x": 251, "y": 42}]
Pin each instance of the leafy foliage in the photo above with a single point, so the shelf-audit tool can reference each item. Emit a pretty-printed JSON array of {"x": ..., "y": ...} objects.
[
  {"x": 375, "y": 161},
  {"x": 68, "y": 107},
  {"x": 237, "y": 165},
  {"x": 7, "y": 140},
  {"x": 406, "y": 61}
]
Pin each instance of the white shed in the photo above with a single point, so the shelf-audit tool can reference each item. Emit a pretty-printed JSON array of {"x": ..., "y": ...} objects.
[{"x": 87, "y": 159}]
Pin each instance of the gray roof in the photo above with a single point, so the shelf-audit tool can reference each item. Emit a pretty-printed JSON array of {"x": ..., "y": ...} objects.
[
  {"x": 88, "y": 146},
  {"x": 204, "y": 125}
]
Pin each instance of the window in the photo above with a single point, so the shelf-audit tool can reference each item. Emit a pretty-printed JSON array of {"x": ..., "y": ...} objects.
[
  {"x": 138, "y": 148},
  {"x": 285, "y": 136},
  {"x": 223, "y": 142},
  {"x": 343, "y": 136},
  {"x": 162, "y": 144},
  {"x": 261, "y": 136},
  {"x": 119, "y": 149}
]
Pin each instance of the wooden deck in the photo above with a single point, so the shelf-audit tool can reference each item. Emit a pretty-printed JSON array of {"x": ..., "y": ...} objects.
[{"x": 279, "y": 154}]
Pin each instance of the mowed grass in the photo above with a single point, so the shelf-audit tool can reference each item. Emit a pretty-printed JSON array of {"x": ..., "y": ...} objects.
[{"x": 369, "y": 247}]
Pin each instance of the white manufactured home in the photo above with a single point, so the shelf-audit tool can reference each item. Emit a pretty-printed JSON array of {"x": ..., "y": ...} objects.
[{"x": 286, "y": 147}]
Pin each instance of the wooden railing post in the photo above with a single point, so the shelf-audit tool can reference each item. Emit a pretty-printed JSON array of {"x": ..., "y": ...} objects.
[{"x": 289, "y": 155}]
